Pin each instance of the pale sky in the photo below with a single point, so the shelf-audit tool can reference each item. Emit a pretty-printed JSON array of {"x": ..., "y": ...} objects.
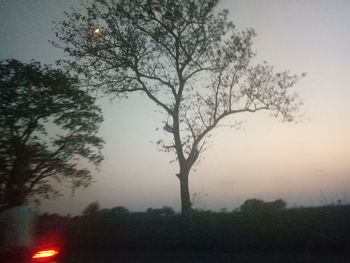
[{"x": 265, "y": 159}]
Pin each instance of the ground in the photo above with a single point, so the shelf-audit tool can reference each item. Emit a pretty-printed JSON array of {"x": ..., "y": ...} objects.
[{"x": 142, "y": 257}]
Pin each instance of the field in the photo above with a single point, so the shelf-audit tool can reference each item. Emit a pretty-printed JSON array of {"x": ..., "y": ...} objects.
[{"x": 203, "y": 258}]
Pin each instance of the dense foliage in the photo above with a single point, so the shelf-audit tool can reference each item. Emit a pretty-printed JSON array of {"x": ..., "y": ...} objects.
[{"x": 48, "y": 123}]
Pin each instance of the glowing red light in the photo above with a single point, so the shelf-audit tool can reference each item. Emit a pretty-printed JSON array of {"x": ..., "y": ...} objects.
[{"x": 45, "y": 253}]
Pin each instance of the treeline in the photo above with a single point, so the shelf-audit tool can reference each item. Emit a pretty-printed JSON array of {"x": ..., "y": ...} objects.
[{"x": 257, "y": 226}]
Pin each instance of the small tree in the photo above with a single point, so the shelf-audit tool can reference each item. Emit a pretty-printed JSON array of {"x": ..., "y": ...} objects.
[
  {"x": 258, "y": 206},
  {"x": 165, "y": 211},
  {"x": 91, "y": 209},
  {"x": 185, "y": 57},
  {"x": 47, "y": 125}
]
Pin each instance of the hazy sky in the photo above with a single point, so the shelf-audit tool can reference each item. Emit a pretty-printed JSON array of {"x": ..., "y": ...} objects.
[{"x": 265, "y": 159}]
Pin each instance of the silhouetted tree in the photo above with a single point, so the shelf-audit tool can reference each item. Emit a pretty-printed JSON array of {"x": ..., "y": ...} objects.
[
  {"x": 91, "y": 209},
  {"x": 257, "y": 205},
  {"x": 47, "y": 124},
  {"x": 119, "y": 211},
  {"x": 186, "y": 57},
  {"x": 252, "y": 204},
  {"x": 164, "y": 211}
]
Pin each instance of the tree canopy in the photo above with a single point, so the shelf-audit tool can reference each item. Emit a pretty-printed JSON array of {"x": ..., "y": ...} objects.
[
  {"x": 48, "y": 124},
  {"x": 257, "y": 205},
  {"x": 92, "y": 209},
  {"x": 186, "y": 57}
]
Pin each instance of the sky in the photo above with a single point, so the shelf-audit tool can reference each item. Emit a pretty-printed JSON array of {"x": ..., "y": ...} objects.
[{"x": 304, "y": 163}]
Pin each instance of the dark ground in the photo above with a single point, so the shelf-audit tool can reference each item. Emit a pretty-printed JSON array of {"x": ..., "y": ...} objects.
[
  {"x": 178, "y": 257},
  {"x": 257, "y": 234}
]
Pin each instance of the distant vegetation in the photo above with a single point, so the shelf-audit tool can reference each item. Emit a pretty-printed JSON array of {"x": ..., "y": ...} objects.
[{"x": 257, "y": 226}]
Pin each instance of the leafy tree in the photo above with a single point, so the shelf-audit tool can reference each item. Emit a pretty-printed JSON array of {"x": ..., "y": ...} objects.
[
  {"x": 119, "y": 211},
  {"x": 92, "y": 209},
  {"x": 258, "y": 206},
  {"x": 186, "y": 57},
  {"x": 47, "y": 125},
  {"x": 164, "y": 211}
]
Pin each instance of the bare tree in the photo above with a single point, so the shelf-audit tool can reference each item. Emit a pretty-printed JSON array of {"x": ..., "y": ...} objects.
[{"x": 186, "y": 57}]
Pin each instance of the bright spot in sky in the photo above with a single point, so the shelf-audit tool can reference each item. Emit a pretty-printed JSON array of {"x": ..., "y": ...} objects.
[{"x": 97, "y": 32}]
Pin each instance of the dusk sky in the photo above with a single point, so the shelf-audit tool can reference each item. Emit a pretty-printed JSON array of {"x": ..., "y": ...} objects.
[{"x": 303, "y": 163}]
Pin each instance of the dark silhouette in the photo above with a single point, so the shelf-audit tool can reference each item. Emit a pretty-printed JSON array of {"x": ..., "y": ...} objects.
[
  {"x": 91, "y": 209},
  {"x": 271, "y": 229},
  {"x": 47, "y": 121},
  {"x": 258, "y": 206},
  {"x": 186, "y": 58},
  {"x": 164, "y": 211}
]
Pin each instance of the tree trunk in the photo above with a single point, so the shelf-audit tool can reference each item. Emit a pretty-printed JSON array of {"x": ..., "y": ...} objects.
[
  {"x": 13, "y": 194},
  {"x": 186, "y": 209}
]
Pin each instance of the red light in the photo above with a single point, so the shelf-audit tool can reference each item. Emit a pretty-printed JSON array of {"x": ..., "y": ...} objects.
[{"x": 45, "y": 253}]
